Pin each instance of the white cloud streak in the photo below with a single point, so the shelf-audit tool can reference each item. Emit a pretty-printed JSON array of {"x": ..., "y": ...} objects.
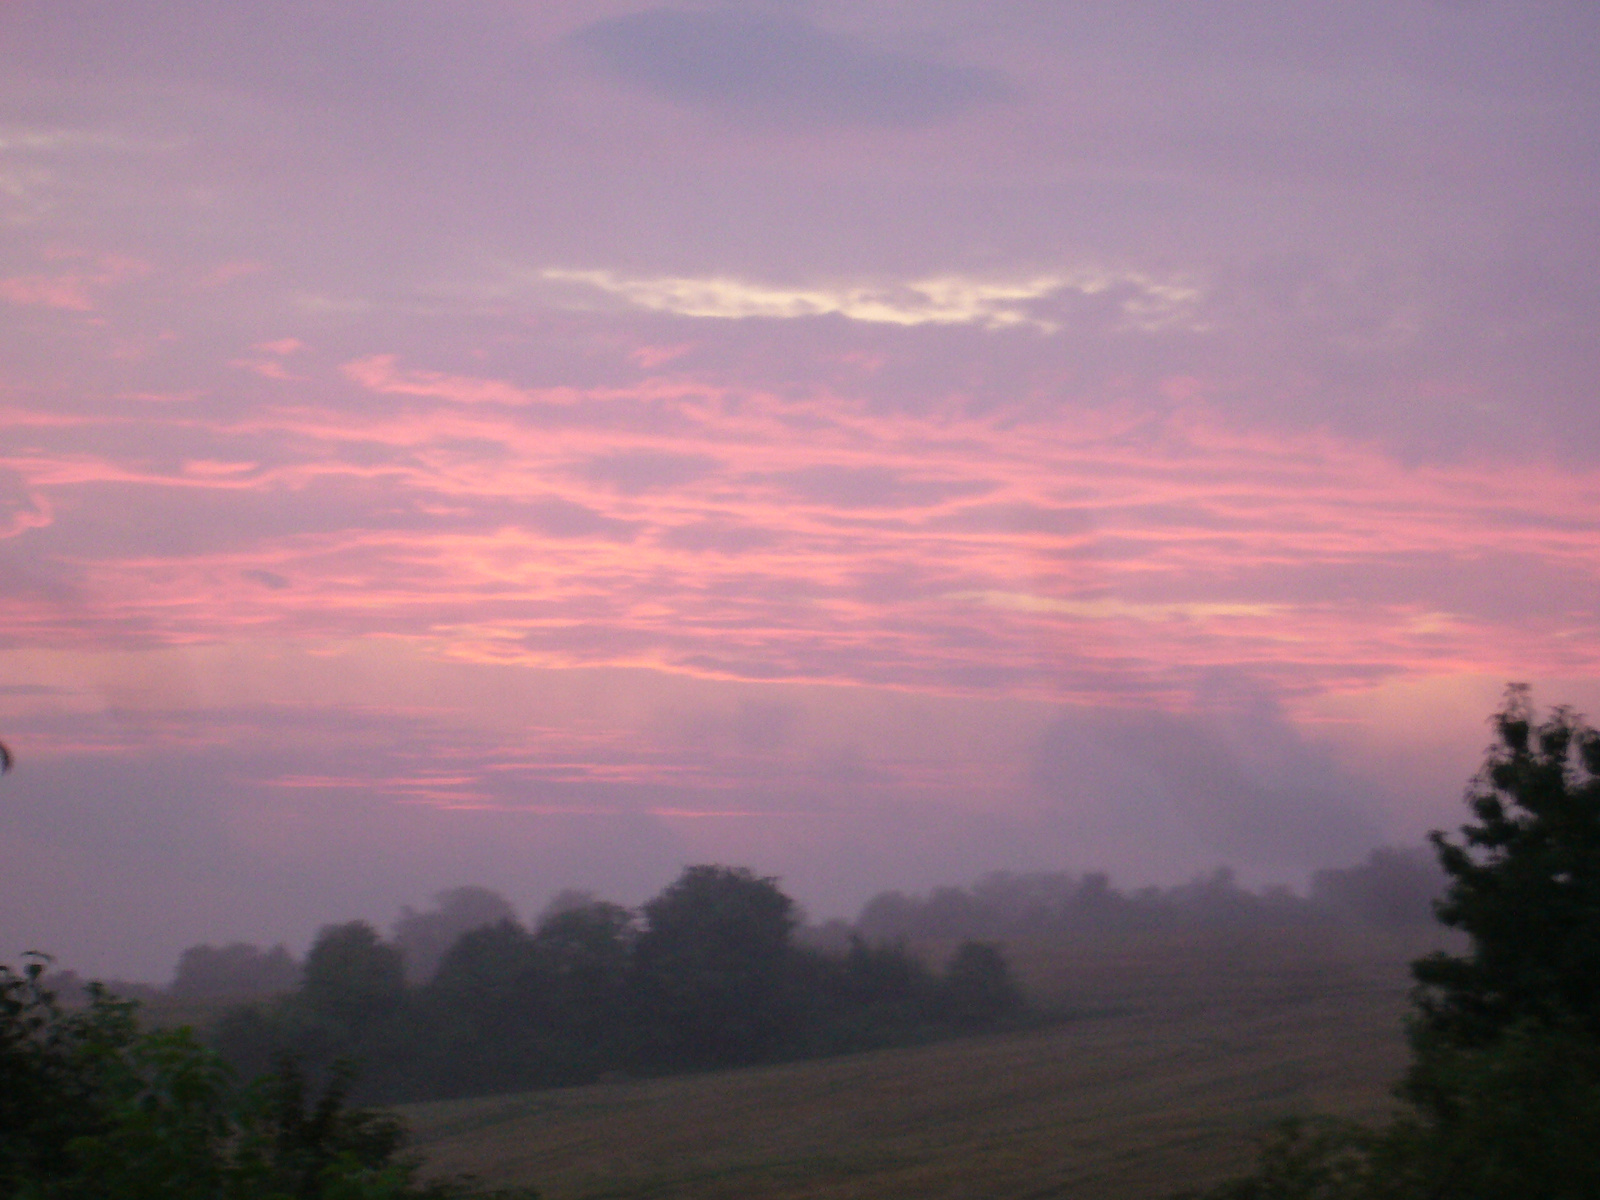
[{"x": 1145, "y": 301}]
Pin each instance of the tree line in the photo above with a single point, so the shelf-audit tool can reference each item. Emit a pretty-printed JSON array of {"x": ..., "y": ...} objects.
[
  {"x": 1393, "y": 889},
  {"x": 708, "y": 974}
]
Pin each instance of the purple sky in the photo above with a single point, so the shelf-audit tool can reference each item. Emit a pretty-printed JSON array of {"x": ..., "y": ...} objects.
[{"x": 545, "y": 445}]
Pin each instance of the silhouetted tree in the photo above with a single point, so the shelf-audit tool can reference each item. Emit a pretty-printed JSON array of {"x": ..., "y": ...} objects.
[
  {"x": 887, "y": 979},
  {"x": 584, "y": 954},
  {"x": 351, "y": 976},
  {"x": 484, "y": 1013},
  {"x": 586, "y": 948},
  {"x": 508, "y": 1008},
  {"x": 710, "y": 967},
  {"x": 567, "y": 898},
  {"x": 869, "y": 996},
  {"x": 1506, "y": 1038},
  {"x": 352, "y": 1003},
  {"x": 1006, "y": 905},
  {"x": 491, "y": 966},
  {"x": 1524, "y": 887}
]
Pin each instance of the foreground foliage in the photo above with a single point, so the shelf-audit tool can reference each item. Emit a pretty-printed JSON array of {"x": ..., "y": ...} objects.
[
  {"x": 1503, "y": 1092},
  {"x": 92, "y": 1107}
]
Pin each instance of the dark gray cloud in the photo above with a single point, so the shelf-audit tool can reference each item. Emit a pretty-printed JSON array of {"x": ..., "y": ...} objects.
[{"x": 776, "y": 67}]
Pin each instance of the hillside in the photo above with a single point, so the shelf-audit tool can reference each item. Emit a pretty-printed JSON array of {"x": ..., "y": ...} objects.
[{"x": 1180, "y": 1049}]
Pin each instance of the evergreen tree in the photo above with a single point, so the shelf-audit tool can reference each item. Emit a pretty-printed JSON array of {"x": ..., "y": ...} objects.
[
  {"x": 1524, "y": 887},
  {"x": 1504, "y": 1085}
]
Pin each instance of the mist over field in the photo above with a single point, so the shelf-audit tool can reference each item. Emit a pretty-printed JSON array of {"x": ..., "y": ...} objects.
[{"x": 547, "y": 446}]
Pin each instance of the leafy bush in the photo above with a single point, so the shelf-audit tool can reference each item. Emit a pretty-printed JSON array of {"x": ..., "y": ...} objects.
[{"x": 91, "y": 1107}]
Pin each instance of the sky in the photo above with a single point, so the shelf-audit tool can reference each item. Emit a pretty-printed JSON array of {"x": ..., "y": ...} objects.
[{"x": 543, "y": 446}]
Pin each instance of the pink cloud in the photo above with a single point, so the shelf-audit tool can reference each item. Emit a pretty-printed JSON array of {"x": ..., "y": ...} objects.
[
  {"x": 731, "y": 533},
  {"x": 651, "y": 357},
  {"x": 379, "y": 374},
  {"x": 70, "y": 292},
  {"x": 75, "y": 292}
]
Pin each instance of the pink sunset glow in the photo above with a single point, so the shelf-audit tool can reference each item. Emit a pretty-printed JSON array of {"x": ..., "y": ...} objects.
[{"x": 542, "y": 452}]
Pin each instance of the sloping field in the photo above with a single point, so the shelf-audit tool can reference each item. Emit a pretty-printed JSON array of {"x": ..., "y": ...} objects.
[{"x": 1185, "y": 1049}]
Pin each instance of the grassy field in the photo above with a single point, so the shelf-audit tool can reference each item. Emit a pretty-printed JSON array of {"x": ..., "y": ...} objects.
[{"x": 1182, "y": 1050}]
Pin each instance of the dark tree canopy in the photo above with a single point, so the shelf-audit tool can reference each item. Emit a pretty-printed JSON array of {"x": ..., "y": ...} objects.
[
  {"x": 351, "y": 975},
  {"x": 1524, "y": 886},
  {"x": 492, "y": 967},
  {"x": 711, "y": 965},
  {"x": 584, "y": 953}
]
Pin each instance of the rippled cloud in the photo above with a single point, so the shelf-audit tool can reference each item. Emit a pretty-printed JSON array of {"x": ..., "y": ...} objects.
[{"x": 739, "y": 533}]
